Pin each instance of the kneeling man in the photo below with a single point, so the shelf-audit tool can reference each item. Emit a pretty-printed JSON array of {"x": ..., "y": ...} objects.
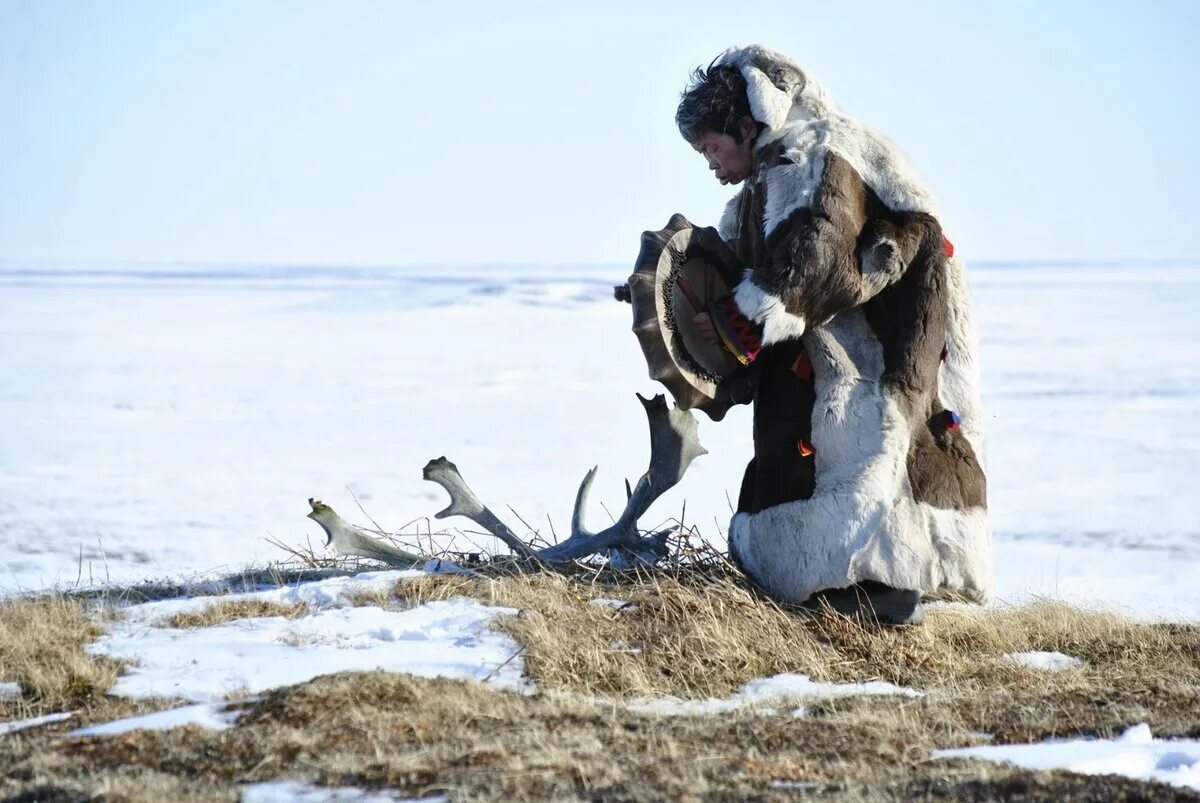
[{"x": 866, "y": 489}]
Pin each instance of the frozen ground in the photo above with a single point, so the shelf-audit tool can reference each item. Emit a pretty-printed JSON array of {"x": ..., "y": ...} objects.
[{"x": 164, "y": 422}]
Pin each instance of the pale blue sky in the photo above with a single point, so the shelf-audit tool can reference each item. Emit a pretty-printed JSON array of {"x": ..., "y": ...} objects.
[{"x": 402, "y": 133}]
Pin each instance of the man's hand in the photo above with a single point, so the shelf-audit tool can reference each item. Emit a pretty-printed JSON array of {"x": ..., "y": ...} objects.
[{"x": 704, "y": 325}]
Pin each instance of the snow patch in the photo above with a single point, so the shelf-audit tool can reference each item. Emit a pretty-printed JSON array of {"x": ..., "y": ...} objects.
[
  {"x": 207, "y": 715},
  {"x": 615, "y": 604},
  {"x": 22, "y": 724},
  {"x": 442, "y": 566},
  {"x": 449, "y": 638},
  {"x": 1134, "y": 754},
  {"x": 767, "y": 693},
  {"x": 1049, "y": 661},
  {"x": 333, "y": 592},
  {"x": 10, "y": 690},
  {"x": 299, "y": 792}
]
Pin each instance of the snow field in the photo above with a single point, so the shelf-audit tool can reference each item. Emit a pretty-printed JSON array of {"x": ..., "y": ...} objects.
[{"x": 175, "y": 446}]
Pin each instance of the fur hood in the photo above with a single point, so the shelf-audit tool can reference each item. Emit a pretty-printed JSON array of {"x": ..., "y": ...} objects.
[
  {"x": 796, "y": 109},
  {"x": 780, "y": 92}
]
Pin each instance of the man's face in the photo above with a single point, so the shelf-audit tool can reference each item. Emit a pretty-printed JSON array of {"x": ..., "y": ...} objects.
[{"x": 726, "y": 157}]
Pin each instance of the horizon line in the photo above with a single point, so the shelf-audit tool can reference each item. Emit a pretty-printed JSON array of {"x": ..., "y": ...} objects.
[{"x": 109, "y": 264}]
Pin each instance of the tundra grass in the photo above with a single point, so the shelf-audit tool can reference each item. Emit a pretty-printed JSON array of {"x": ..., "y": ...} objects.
[{"x": 690, "y": 635}]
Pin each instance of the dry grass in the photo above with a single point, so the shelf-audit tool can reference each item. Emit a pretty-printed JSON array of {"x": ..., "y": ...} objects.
[
  {"x": 42, "y": 648},
  {"x": 381, "y": 730},
  {"x": 705, "y": 636},
  {"x": 42, "y": 644},
  {"x": 688, "y": 637},
  {"x": 695, "y": 634},
  {"x": 222, "y": 612}
]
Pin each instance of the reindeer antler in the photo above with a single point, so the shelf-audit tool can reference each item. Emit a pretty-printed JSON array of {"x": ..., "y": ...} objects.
[
  {"x": 464, "y": 502},
  {"x": 674, "y": 444}
]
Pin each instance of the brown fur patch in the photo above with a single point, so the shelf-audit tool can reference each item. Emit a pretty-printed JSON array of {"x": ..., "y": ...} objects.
[{"x": 909, "y": 318}]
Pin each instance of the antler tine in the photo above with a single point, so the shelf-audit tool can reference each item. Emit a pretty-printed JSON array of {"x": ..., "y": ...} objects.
[
  {"x": 674, "y": 444},
  {"x": 581, "y": 497},
  {"x": 464, "y": 502},
  {"x": 346, "y": 540}
]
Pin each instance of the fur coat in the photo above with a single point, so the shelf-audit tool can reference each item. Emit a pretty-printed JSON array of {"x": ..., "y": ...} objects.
[{"x": 868, "y": 429}]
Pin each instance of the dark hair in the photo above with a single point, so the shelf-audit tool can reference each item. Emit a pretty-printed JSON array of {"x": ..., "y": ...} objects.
[{"x": 715, "y": 100}]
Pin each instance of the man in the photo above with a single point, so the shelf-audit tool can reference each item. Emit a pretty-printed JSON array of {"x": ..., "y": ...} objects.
[{"x": 866, "y": 489}]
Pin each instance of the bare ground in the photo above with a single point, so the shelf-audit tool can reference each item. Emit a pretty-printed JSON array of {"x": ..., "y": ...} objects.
[{"x": 693, "y": 635}]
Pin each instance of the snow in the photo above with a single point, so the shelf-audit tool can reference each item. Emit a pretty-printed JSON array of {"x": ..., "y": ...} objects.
[
  {"x": 447, "y": 638},
  {"x": 207, "y": 715},
  {"x": 333, "y": 592},
  {"x": 22, "y": 724},
  {"x": 615, "y": 604},
  {"x": 1049, "y": 661},
  {"x": 1135, "y": 754},
  {"x": 174, "y": 441},
  {"x": 299, "y": 792},
  {"x": 766, "y": 694},
  {"x": 10, "y": 690}
]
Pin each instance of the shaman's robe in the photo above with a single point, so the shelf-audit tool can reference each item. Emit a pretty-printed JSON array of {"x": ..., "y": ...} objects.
[{"x": 868, "y": 429}]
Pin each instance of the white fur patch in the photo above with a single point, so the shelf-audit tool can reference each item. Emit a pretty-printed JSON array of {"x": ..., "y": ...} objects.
[
  {"x": 861, "y": 522},
  {"x": 768, "y": 104},
  {"x": 728, "y": 227},
  {"x": 789, "y": 187},
  {"x": 881, "y": 266},
  {"x": 809, "y": 103},
  {"x": 764, "y": 308},
  {"x": 958, "y": 377}
]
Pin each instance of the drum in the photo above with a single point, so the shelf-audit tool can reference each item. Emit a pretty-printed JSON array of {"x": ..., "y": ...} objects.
[{"x": 681, "y": 271}]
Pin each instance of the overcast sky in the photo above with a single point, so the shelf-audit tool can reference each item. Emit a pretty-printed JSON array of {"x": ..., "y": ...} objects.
[{"x": 399, "y": 133}]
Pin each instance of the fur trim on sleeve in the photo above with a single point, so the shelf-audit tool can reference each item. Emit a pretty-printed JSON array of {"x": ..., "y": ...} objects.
[{"x": 767, "y": 310}]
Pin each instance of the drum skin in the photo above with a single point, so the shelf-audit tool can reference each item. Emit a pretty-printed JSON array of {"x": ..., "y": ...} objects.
[{"x": 681, "y": 270}]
